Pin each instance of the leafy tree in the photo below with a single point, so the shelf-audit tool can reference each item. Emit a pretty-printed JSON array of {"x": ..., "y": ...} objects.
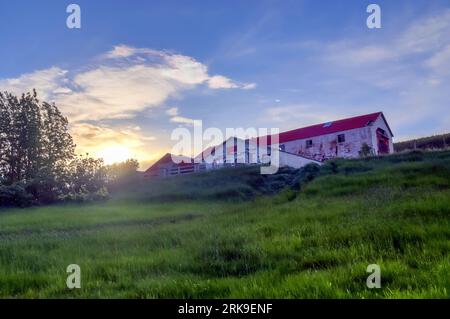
[
  {"x": 123, "y": 174},
  {"x": 34, "y": 139},
  {"x": 37, "y": 158},
  {"x": 87, "y": 179}
]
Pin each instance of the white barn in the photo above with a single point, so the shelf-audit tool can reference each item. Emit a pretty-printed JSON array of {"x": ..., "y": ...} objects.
[
  {"x": 346, "y": 138},
  {"x": 342, "y": 138}
]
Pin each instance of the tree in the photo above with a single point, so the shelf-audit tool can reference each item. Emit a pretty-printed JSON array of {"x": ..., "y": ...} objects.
[
  {"x": 37, "y": 153},
  {"x": 87, "y": 179},
  {"x": 34, "y": 139},
  {"x": 122, "y": 174}
]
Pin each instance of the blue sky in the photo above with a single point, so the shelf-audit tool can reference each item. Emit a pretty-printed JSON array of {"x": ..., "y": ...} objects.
[{"x": 138, "y": 69}]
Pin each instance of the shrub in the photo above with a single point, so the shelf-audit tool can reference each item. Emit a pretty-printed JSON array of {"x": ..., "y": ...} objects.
[
  {"x": 305, "y": 175},
  {"x": 365, "y": 151},
  {"x": 43, "y": 190},
  {"x": 85, "y": 196},
  {"x": 15, "y": 195}
]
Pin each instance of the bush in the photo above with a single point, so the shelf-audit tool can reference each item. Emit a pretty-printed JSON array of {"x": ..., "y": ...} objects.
[
  {"x": 15, "y": 195},
  {"x": 365, "y": 151},
  {"x": 43, "y": 190},
  {"x": 305, "y": 175},
  {"x": 85, "y": 196}
]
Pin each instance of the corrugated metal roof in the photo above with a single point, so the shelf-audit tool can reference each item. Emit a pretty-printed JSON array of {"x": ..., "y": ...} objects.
[{"x": 329, "y": 127}]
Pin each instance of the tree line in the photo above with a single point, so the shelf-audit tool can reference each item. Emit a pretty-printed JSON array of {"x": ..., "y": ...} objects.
[{"x": 38, "y": 164}]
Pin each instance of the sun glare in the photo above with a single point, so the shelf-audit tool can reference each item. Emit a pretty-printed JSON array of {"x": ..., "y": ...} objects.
[{"x": 114, "y": 154}]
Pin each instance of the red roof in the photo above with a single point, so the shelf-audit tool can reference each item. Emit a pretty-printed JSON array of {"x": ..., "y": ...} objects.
[
  {"x": 329, "y": 127},
  {"x": 168, "y": 159}
]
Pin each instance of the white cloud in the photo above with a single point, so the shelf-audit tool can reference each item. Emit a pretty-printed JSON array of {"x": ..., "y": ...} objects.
[
  {"x": 411, "y": 68},
  {"x": 122, "y": 82},
  {"x": 112, "y": 92},
  {"x": 440, "y": 61},
  {"x": 427, "y": 34},
  {"x": 44, "y": 81},
  {"x": 117, "y": 85},
  {"x": 173, "y": 111},
  {"x": 424, "y": 36},
  {"x": 248, "y": 86},
  {"x": 221, "y": 82},
  {"x": 176, "y": 118},
  {"x": 348, "y": 54},
  {"x": 120, "y": 51},
  {"x": 181, "y": 119}
]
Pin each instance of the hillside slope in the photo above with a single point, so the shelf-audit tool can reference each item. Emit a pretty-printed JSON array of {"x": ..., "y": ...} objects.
[{"x": 315, "y": 242}]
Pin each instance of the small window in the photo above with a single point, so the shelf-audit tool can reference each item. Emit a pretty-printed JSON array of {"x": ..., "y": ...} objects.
[
  {"x": 282, "y": 147},
  {"x": 328, "y": 124},
  {"x": 308, "y": 143},
  {"x": 341, "y": 138}
]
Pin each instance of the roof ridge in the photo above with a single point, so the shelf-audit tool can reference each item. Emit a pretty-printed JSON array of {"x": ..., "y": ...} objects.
[{"x": 334, "y": 121}]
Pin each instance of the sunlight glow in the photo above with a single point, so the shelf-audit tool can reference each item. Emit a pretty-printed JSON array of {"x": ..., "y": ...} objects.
[{"x": 114, "y": 154}]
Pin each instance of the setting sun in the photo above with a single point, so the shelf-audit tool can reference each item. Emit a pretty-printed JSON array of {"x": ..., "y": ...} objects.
[{"x": 114, "y": 154}]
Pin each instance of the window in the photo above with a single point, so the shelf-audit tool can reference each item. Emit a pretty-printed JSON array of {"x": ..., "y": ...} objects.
[
  {"x": 308, "y": 143},
  {"x": 282, "y": 147},
  {"x": 328, "y": 124},
  {"x": 341, "y": 138}
]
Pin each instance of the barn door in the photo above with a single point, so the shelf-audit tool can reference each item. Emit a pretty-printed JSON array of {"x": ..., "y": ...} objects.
[{"x": 383, "y": 142}]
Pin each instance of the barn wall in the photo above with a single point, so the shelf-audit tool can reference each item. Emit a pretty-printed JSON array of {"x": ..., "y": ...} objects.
[
  {"x": 327, "y": 146},
  {"x": 291, "y": 160}
]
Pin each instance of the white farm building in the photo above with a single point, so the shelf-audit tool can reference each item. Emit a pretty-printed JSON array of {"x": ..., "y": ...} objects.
[{"x": 345, "y": 138}]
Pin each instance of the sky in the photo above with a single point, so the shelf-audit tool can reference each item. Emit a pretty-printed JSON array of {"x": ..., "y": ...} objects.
[{"x": 137, "y": 70}]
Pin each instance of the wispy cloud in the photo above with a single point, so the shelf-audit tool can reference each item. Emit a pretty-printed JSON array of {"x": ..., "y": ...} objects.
[
  {"x": 298, "y": 115},
  {"x": 425, "y": 36},
  {"x": 221, "y": 82},
  {"x": 47, "y": 82},
  {"x": 181, "y": 119},
  {"x": 176, "y": 118},
  {"x": 117, "y": 85},
  {"x": 410, "y": 68},
  {"x": 173, "y": 111},
  {"x": 120, "y": 83}
]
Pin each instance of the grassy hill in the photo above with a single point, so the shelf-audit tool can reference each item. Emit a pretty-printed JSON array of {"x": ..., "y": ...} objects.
[{"x": 235, "y": 233}]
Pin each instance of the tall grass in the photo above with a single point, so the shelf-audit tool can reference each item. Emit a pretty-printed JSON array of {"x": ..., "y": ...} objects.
[{"x": 315, "y": 242}]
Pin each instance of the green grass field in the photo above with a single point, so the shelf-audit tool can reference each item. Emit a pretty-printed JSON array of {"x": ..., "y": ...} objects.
[{"x": 234, "y": 234}]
